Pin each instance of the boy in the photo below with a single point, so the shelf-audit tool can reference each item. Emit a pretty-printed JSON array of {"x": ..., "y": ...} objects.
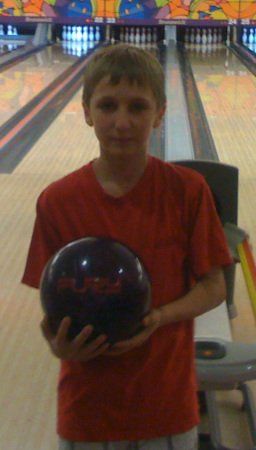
[{"x": 142, "y": 392}]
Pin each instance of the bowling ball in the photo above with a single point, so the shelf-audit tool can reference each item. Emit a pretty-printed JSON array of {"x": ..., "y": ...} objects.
[{"x": 96, "y": 281}]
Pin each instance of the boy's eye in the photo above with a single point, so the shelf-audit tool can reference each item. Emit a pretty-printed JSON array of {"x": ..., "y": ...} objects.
[
  {"x": 107, "y": 106},
  {"x": 137, "y": 107}
]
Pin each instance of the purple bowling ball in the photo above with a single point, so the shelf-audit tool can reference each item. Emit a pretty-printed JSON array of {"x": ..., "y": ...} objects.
[{"x": 96, "y": 281}]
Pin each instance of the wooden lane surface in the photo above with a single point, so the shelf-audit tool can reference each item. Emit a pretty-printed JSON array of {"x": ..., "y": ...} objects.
[
  {"x": 24, "y": 80},
  {"x": 28, "y": 370},
  {"x": 228, "y": 93}
]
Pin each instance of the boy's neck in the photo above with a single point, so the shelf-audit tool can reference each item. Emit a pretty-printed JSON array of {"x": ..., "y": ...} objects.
[{"x": 117, "y": 178}]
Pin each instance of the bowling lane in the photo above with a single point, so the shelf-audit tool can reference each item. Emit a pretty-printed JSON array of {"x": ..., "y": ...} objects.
[
  {"x": 67, "y": 144},
  {"x": 228, "y": 94},
  {"x": 23, "y": 81}
]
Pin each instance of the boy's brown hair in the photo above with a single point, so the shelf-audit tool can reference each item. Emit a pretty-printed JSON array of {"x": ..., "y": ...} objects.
[{"x": 124, "y": 60}]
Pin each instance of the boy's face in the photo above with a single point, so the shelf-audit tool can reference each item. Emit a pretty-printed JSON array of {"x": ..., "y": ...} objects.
[{"x": 123, "y": 116}]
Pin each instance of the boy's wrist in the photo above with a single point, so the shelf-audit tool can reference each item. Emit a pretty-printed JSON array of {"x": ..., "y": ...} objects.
[{"x": 162, "y": 315}]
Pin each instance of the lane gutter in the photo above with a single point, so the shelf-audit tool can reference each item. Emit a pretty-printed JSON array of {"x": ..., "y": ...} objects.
[
  {"x": 21, "y": 131},
  {"x": 11, "y": 59},
  {"x": 247, "y": 57},
  {"x": 203, "y": 143}
]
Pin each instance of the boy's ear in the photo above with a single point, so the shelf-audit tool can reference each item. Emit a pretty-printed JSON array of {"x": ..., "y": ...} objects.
[
  {"x": 87, "y": 115},
  {"x": 159, "y": 116}
]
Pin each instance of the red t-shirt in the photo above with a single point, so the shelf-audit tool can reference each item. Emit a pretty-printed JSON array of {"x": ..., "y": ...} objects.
[{"x": 170, "y": 221}]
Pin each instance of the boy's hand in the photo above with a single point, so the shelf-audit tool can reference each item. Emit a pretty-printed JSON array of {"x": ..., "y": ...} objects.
[
  {"x": 151, "y": 322},
  {"x": 75, "y": 350}
]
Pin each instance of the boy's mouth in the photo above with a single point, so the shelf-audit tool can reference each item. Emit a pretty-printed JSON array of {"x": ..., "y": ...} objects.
[{"x": 122, "y": 140}]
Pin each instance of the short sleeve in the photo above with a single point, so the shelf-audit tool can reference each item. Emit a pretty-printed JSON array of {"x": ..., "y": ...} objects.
[
  {"x": 208, "y": 245},
  {"x": 45, "y": 242}
]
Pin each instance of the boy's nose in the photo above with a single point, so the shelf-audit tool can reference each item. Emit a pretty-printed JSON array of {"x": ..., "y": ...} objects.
[{"x": 122, "y": 121}]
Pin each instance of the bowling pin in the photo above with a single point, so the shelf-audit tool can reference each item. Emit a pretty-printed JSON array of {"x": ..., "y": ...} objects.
[
  {"x": 192, "y": 36},
  {"x": 64, "y": 33},
  {"x": 97, "y": 34},
  {"x": 73, "y": 34},
  {"x": 91, "y": 34},
  {"x": 126, "y": 38},
  {"x": 198, "y": 36},
  {"x": 204, "y": 37},
  {"x": 215, "y": 37},
  {"x": 251, "y": 37},
  {"x": 69, "y": 33},
  {"x": 132, "y": 35},
  {"x": 149, "y": 36},
  {"x": 143, "y": 35},
  {"x": 79, "y": 34},
  {"x": 112, "y": 36},
  {"x": 244, "y": 36},
  {"x": 137, "y": 36},
  {"x": 210, "y": 38},
  {"x": 121, "y": 35},
  {"x": 85, "y": 33}
]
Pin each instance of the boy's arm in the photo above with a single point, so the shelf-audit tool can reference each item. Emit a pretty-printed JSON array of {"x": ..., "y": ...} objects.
[{"x": 208, "y": 292}]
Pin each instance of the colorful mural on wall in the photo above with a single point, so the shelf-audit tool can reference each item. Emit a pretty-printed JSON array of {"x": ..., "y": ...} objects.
[{"x": 121, "y": 11}]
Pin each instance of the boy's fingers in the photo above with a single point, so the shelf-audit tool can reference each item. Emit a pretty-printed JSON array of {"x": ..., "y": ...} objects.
[
  {"x": 63, "y": 329},
  {"x": 83, "y": 335},
  {"x": 86, "y": 354},
  {"x": 92, "y": 345},
  {"x": 46, "y": 329},
  {"x": 77, "y": 348}
]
